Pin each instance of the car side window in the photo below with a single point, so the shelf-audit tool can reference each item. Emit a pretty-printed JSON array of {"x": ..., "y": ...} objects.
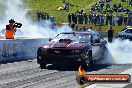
[
  {"x": 96, "y": 38},
  {"x": 131, "y": 31},
  {"x": 128, "y": 31}
]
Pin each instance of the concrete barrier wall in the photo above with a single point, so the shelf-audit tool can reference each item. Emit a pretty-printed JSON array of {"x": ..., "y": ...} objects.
[{"x": 19, "y": 49}]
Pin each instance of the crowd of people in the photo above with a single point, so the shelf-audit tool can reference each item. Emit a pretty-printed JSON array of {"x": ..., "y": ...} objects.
[
  {"x": 116, "y": 7},
  {"x": 42, "y": 16},
  {"x": 100, "y": 19},
  {"x": 113, "y": 19}
]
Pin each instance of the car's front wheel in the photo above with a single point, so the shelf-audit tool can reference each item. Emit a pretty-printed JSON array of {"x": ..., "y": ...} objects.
[
  {"x": 43, "y": 65},
  {"x": 87, "y": 60},
  {"x": 40, "y": 61}
]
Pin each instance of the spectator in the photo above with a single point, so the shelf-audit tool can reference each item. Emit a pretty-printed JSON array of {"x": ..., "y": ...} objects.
[
  {"x": 83, "y": 28},
  {"x": 115, "y": 19},
  {"x": 108, "y": 0},
  {"x": 38, "y": 16},
  {"x": 107, "y": 6},
  {"x": 120, "y": 20},
  {"x": 130, "y": 20},
  {"x": 119, "y": 6},
  {"x": 110, "y": 34},
  {"x": 66, "y": 6},
  {"x": 98, "y": 19},
  {"x": 81, "y": 18},
  {"x": 69, "y": 18},
  {"x": 93, "y": 8},
  {"x": 54, "y": 27},
  {"x": 125, "y": 20},
  {"x": 130, "y": 2},
  {"x": 110, "y": 19},
  {"x": 52, "y": 19},
  {"x": 43, "y": 16},
  {"x": 47, "y": 16},
  {"x": 75, "y": 19},
  {"x": 107, "y": 18},
  {"x": 102, "y": 5},
  {"x": 90, "y": 29},
  {"x": 102, "y": 18},
  {"x": 101, "y": 1},
  {"x": 115, "y": 8},
  {"x": 94, "y": 19},
  {"x": 76, "y": 28},
  {"x": 85, "y": 18}
]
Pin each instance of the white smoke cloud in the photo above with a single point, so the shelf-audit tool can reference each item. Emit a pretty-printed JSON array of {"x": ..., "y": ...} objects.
[
  {"x": 119, "y": 52},
  {"x": 15, "y": 10}
]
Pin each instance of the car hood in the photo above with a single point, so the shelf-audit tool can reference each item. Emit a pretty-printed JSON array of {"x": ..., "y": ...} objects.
[{"x": 72, "y": 45}]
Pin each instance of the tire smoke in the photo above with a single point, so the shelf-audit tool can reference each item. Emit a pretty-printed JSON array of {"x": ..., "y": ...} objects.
[
  {"x": 14, "y": 9},
  {"x": 119, "y": 52}
]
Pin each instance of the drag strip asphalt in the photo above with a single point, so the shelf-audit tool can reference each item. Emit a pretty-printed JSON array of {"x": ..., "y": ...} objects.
[{"x": 27, "y": 74}]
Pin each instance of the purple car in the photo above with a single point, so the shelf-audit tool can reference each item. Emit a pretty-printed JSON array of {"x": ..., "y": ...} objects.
[{"x": 72, "y": 48}]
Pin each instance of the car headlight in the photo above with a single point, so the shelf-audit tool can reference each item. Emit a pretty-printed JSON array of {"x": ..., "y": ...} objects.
[{"x": 42, "y": 50}]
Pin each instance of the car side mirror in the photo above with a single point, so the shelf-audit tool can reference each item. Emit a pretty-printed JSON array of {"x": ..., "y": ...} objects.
[{"x": 50, "y": 39}]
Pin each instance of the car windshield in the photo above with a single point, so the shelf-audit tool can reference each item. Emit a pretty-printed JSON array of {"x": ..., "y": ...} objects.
[
  {"x": 75, "y": 37},
  {"x": 128, "y": 31}
]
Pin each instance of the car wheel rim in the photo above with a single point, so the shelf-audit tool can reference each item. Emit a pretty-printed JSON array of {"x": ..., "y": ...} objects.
[{"x": 87, "y": 62}]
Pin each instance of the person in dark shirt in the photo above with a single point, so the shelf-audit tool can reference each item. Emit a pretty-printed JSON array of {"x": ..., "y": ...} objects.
[
  {"x": 75, "y": 19},
  {"x": 102, "y": 6},
  {"x": 76, "y": 28},
  {"x": 85, "y": 18},
  {"x": 69, "y": 18},
  {"x": 125, "y": 20},
  {"x": 107, "y": 18},
  {"x": 115, "y": 8},
  {"x": 110, "y": 34},
  {"x": 107, "y": 6},
  {"x": 83, "y": 28}
]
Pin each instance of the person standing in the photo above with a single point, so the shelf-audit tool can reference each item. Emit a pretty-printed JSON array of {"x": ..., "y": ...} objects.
[
  {"x": 102, "y": 6},
  {"x": 10, "y": 30},
  {"x": 69, "y": 18},
  {"x": 110, "y": 34},
  {"x": 76, "y": 28}
]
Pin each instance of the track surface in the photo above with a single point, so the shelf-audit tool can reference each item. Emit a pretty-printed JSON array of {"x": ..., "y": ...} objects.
[{"x": 27, "y": 74}]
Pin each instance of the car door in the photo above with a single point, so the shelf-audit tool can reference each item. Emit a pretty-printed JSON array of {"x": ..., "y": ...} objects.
[{"x": 96, "y": 47}]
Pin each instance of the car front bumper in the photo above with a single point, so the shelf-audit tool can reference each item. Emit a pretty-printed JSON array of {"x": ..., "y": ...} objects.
[{"x": 59, "y": 59}]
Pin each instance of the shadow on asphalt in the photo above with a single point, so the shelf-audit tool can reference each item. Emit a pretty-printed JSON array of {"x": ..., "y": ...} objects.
[
  {"x": 14, "y": 61},
  {"x": 95, "y": 67}
]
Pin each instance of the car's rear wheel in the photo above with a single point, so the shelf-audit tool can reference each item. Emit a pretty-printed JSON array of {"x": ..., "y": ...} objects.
[
  {"x": 123, "y": 37},
  {"x": 43, "y": 65},
  {"x": 87, "y": 62},
  {"x": 130, "y": 38}
]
